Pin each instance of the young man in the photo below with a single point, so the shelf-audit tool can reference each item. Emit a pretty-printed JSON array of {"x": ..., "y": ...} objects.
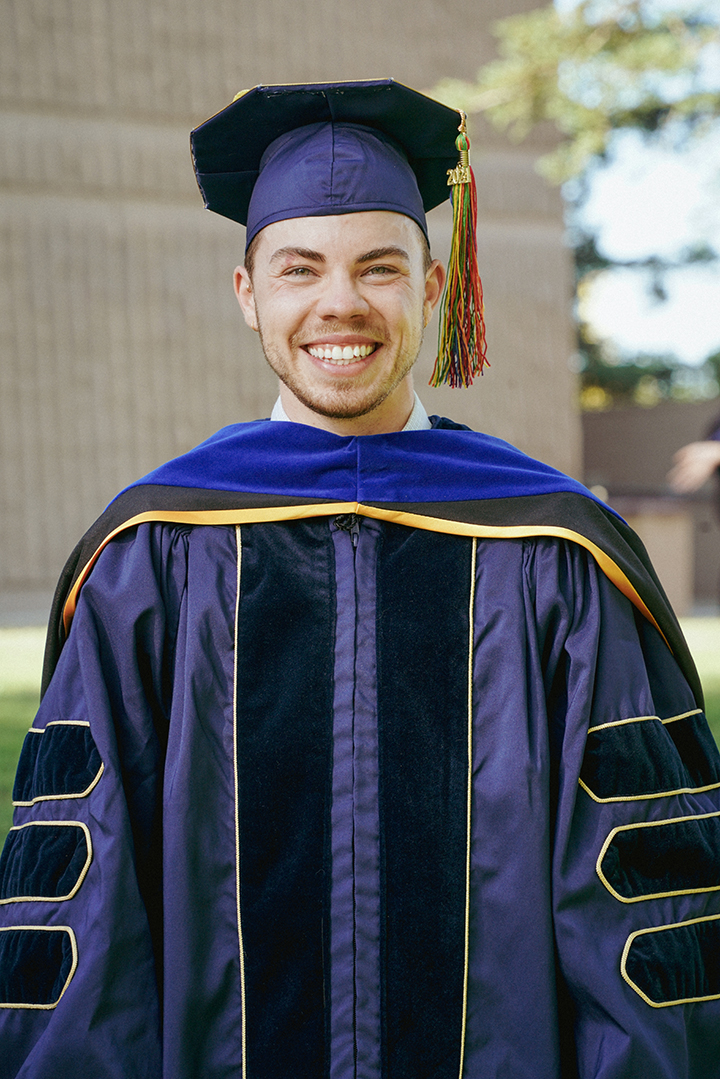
[{"x": 372, "y": 749}]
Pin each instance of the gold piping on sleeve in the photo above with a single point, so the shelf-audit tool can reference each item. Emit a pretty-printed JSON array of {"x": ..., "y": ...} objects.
[
  {"x": 620, "y": 723},
  {"x": 659, "y": 929},
  {"x": 646, "y": 797},
  {"x": 471, "y": 655},
  {"x": 642, "y": 719},
  {"x": 413, "y": 520},
  {"x": 73, "y": 967},
  {"x": 63, "y": 797},
  {"x": 241, "y": 946},
  {"x": 63, "y": 723},
  {"x": 650, "y": 895},
  {"x": 684, "y": 715},
  {"x": 654, "y": 794},
  {"x": 83, "y": 872}
]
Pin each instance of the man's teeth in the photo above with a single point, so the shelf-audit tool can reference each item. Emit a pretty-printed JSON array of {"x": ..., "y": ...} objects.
[{"x": 338, "y": 354}]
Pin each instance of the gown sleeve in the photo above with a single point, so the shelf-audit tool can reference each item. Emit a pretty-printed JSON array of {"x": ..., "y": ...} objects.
[
  {"x": 636, "y": 855},
  {"x": 80, "y": 897}
]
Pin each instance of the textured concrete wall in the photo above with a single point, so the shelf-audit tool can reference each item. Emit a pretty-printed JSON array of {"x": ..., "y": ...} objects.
[{"x": 120, "y": 340}]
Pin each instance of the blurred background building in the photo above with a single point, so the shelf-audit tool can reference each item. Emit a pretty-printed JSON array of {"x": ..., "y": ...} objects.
[
  {"x": 121, "y": 341},
  {"x": 627, "y": 452}
]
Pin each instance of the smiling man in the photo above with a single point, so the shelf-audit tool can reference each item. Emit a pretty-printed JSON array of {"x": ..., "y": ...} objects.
[
  {"x": 340, "y": 304},
  {"x": 369, "y": 747}
]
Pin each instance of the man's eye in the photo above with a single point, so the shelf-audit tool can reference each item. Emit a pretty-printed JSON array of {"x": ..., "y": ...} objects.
[
  {"x": 298, "y": 271},
  {"x": 381, "y": 271}
]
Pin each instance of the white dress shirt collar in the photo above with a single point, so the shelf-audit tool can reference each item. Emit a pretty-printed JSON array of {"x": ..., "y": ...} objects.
[{"x": 417, "y": 420}]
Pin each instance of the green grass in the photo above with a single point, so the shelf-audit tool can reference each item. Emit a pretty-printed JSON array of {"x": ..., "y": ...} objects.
[
  {"x": 703, "y": 637},
  {"x": 711, "y": 686},
  {"x": 16, "y": 715},
  {"x": 20, "y": 666},
  {"x": 712, "y": 708},
  {"x": 21, "y": 659}
]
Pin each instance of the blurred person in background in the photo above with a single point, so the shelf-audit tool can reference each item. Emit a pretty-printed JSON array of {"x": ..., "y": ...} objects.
[{"x": 695, "y": 463}]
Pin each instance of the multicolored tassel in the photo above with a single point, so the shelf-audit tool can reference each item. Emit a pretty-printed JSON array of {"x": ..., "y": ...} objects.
[{"x": 462, "y": 349}]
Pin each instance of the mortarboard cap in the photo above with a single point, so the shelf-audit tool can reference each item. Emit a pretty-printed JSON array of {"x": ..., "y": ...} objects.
[
  {"x": 280, "y": 152},
  {"x": 308, "y": 151}
]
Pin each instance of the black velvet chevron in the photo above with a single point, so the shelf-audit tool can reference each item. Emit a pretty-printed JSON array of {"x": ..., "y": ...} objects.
[
  {"x": 679, "y": 856},
  {"x": 62, "y": 760},
  {"x": 647, "y": 757},
  {"x": 35, "y": 965},
  {"x": 697, "y": 748},
  {"x": 44, "y": 861},
  {"x": 678, "y": 963}
]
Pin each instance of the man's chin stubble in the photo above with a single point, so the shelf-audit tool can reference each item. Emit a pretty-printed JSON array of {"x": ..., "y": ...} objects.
[{"x": 335, "y": 409}]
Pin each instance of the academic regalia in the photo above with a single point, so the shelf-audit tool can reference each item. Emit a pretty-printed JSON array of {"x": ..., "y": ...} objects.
[{"x": 377, "y": 757}]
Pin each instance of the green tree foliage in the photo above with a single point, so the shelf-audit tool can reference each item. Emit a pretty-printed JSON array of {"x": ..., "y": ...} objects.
[
  {"x": 599, "y": 67},
  {"x": 593, "y": 70},
  {"x": 644, "y": 380},
  {"x": 607, "y": 380}
]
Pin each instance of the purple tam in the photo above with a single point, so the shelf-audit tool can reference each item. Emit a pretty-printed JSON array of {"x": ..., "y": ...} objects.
[
  {"x": 279, "y": 152},
  {"x": 326, "y": 169}
]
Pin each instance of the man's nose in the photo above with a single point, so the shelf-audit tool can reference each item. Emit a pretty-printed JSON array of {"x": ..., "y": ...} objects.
[{"x": 341, "y": 297}]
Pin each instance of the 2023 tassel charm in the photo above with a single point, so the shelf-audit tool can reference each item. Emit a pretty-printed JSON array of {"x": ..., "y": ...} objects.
[{"x": 462, "y": 348}]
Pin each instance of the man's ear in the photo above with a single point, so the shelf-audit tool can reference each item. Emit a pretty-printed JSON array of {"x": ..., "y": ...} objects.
[
  {"x": 245, "y": 296},
  {"x": 434, "y": 283}
]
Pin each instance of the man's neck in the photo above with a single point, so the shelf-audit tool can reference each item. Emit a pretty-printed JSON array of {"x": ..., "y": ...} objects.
[
  {"x": 391, "y": 415},
  {"x": 416, "y": 421}
]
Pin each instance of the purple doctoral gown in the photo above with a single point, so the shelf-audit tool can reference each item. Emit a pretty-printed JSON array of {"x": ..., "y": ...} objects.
[{"x": 339, "y": 795}]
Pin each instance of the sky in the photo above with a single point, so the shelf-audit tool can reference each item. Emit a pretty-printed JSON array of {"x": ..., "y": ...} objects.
[{"x": 655, "y": 199}]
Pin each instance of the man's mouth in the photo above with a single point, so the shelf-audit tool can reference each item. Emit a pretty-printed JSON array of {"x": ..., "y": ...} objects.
[{"x": 340, "y": 354}]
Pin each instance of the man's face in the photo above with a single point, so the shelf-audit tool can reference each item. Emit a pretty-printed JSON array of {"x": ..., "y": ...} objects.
[{"x": 340, "y": 304}]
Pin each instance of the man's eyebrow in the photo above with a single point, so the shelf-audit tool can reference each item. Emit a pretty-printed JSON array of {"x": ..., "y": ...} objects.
[
  {"x": 383, "y": 253},
  {"x": 298, "y": 252}
]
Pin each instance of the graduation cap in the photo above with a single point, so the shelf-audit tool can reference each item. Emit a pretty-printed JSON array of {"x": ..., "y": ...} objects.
[{"x": 279, "y": 152}]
